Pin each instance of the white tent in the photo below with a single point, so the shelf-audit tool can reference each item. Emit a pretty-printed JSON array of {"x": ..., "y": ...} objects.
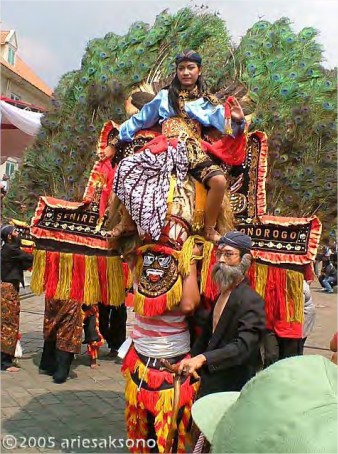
[{"x": 18, "y": 128}]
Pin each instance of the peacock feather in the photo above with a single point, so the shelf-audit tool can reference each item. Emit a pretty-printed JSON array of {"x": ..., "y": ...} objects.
[{"x": 275, "y": 72}]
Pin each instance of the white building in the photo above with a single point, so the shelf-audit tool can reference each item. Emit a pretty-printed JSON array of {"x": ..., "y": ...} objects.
[{"x": 22, "y": 88}]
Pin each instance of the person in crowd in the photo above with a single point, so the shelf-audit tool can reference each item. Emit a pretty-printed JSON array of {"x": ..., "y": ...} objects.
[
  {"x": 317, "y": 262},
  {"x": 333, "y": 347},
  {"x": 328, "y": 278},
  {"x": 14, "y": 262},
  {"x": 309, "y": 312},
  {"x": 93, "y": 337},
  {"x": 182, "y": 109},
  {"x": 62, "y": 332},
  {"x": 227, "y": 352},
  {"x": 5, "y": 182},
  {"x": 113, "y": 325}
]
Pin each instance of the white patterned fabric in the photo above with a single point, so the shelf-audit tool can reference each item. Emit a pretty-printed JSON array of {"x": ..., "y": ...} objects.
[
  {"x": 142, "y": 184},
  {"x": 162, "y": 336}
]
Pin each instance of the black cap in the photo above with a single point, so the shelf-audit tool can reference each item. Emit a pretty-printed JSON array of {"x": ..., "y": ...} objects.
[
  {"x": 237, "y": 240},
  {"x": 188, "y": 55},
  {"x": 6, "y": 230}
]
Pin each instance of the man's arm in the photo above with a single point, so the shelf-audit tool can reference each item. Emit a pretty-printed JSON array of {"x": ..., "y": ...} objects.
[
  {"x": 190, "y": 291},
  {"x": 189, "y": 366},
  {"x": 145, "y": 118},
  {"x": 17, "y": 255},
  {"x": 235, "y": 353}
]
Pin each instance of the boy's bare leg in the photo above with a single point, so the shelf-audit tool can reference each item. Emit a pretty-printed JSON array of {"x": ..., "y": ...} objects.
[
  {"x": 126, "y": 226},
  {"x": 217, "y": 186},
  {"x": 93, "y": 363},
  {"x": 93, "y": 351}
]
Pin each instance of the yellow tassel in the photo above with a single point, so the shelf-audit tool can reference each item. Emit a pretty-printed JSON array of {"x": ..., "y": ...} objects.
[
  {"x": 163, "y": 424},
  {"x": 115, "y": 277},
  {"x": 38, "y": 273},
  {"x": 261, "y": 278},
  {"x": 139, "y": 303},
  {"x": 138, "y": 268},
  {"x": 174, "y": 295},
  {"x": 226, "y": 220},
  {"x": 228, "y": 127},
  {"x": 186, "y": 254},
  {"x": 170, "y": 199},
  {"x": 200, "y": 201},
  {"x": 92, "y": 291},
  {"x": 142, "y": 371},
  {"x": 207, "y": 252},
  {"x": 131, "y": 391},
  {"x": 165, "y": 401},
  {"x": 294, "y": 292},
  {"x": 62, "y": 291},
  {"x": 129, "y": 283},
  {"x": 198, "y": 221}
]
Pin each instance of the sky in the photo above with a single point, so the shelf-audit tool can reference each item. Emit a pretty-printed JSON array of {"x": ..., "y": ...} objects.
[{"x": 52, "y": 35}]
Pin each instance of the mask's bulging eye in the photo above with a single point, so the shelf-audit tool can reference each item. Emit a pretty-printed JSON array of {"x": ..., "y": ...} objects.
[
  {"x": 148, "y": 259},
  {"x": 164, "y": 262}
]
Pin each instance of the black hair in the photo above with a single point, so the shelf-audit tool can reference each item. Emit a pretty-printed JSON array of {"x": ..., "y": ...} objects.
[
  {"x": 175, "y": 88},
  {"x": 5, "y": 232}
]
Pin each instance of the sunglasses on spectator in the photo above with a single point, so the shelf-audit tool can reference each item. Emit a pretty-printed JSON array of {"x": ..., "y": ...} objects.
[{"x": 227, "y": 254}]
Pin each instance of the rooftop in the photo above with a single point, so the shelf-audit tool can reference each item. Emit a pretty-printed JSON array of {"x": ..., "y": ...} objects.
[
  {"x": 23, "y": 70},
  {"x": 4, "y": 36}
]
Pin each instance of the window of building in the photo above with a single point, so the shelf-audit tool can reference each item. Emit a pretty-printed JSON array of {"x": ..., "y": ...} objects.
[
  {"x": 11, "y": 56},
  {"x": 10, "y": 168},
  {"x": 15, "y": 97}
]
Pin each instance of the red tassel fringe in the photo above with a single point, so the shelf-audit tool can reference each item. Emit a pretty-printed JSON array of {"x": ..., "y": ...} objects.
[
  {"x": 155, "y": 306},
  {"x": 275, "y": 302},
  {"x": 211, "y": 291},
  {"x": 309, "y": 274},
  {"x": 78, "y": 277},
  {"x": 51, "y": 273}
]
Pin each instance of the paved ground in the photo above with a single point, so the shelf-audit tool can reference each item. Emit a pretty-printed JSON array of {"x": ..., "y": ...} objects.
[
  {"x": 90, "y": 405},
  {"x": 326, "y": 322}
]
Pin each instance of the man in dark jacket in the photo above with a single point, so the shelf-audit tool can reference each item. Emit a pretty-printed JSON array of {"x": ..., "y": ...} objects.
[
  {"x": 328, "y": 278},
  {"x": 227, "y": 352},
  {"x": 13, "y": 263}
]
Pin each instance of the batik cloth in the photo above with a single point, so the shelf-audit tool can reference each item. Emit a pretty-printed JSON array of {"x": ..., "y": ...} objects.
[
  {"x": 10, "y": 318},
  {"x": 63, "y": 324},
  {"x": 142, "y": 184}
]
